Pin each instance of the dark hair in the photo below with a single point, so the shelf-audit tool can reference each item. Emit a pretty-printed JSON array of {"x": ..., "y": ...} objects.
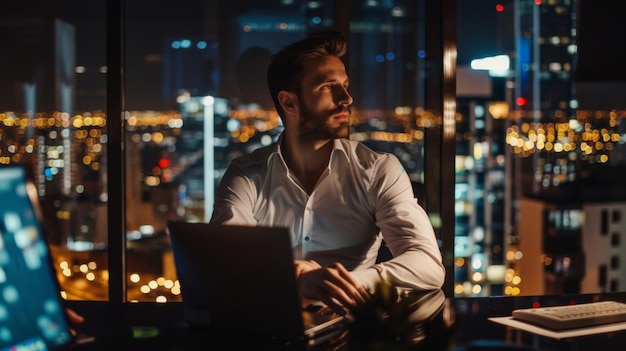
[{"x": 288, "y": 66}]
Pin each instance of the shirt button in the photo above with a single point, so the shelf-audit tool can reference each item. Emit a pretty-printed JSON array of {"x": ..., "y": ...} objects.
[{"x": 306, "y": 238}]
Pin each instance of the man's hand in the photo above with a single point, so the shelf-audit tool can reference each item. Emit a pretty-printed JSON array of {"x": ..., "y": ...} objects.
[
  {"x": 303, "y": 266},
  {"x": 333, "y": 285},
  {"x": 74, "y": 319}
]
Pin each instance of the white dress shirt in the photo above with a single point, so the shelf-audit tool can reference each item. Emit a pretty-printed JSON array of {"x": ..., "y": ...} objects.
[{"x": 362, "y": 197}]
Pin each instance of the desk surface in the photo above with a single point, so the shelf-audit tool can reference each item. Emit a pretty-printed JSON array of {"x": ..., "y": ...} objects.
[
  {"x": 454, "y": 324},
  {"x": 560, "y": 334}
]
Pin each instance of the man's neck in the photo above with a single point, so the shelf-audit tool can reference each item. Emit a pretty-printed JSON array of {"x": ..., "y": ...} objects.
[{"x": 307, "y": 160}]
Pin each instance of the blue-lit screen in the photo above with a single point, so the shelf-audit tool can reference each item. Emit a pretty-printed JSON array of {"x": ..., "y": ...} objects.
[{"x": 31, "y": 315}]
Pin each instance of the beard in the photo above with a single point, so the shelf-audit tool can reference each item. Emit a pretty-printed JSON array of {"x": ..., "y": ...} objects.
[{"x": 315, "y": 126}]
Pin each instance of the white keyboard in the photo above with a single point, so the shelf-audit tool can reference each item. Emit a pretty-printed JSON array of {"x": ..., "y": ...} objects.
[{"x": 574, "y": 316}]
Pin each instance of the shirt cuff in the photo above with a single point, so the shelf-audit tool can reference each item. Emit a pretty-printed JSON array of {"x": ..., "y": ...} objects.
[{"x": 368, "y": 278}]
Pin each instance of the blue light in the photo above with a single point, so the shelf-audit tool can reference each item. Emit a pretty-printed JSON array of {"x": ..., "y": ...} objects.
[
  {"x": 390, "y": 56},
  {"x": 48, "y": 173},
  {"x": 479, "y": 111},
  {"x": 201, "y": 44},
  {"x": 380, "y": 58},
  {"x": 176, "y": 44},
  {"x": 316, "y": 20},
  {"x": 185, "y": 43},
  {"x": 233, "y": 125},
  {"x": 421, "y": 54}
]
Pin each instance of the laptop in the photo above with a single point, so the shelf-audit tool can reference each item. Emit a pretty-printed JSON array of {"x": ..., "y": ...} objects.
[
  {"x": 241, "y": 279},
  {"x": 32, "y": 316}
]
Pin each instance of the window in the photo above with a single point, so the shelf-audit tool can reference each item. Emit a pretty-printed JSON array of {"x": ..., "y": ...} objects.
[
  {"x": 184, "y": 62},
  {"x": 616, "y": 216},
  {"x": 615, "y": 262},
  {"x": 604, "y": 222},
  {"x": 53, "y": 119},
  {"x": 615, "y": 239}
]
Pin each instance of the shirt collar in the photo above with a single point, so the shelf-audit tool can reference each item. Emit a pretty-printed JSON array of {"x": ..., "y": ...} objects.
[
  {"x": 338, "y": 147},
  {"x": 276, "y": 152}
]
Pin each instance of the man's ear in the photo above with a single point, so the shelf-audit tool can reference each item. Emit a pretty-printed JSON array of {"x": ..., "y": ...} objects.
[{"x": 288, "y": 101}]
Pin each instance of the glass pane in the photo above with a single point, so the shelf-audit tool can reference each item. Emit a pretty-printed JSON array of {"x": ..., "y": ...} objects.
[
  {"x": 52, "y": 120},
  {"x": 196, "y": 98},
  {"x": 387, "y": 72},
  {"x": 540, "y": 149}
]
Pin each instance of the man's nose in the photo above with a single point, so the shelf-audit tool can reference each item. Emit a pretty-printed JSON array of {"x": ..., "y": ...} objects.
[{"x": 343, "y": 97}]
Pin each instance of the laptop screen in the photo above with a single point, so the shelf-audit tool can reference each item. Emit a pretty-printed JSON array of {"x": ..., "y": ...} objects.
[{"x": 31, "y": 314}]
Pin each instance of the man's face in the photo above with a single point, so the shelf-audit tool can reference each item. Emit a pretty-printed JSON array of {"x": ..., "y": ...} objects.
[{"x": 324, "y": 101}]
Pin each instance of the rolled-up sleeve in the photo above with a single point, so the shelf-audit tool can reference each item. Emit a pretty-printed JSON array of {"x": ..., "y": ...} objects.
[{"x": 407, "y": 231}]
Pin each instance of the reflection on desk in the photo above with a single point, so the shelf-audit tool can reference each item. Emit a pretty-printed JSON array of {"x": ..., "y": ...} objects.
[
  {"x": 398, "y": 319},
  {"x": 459, "y": 324},
  {"x": 152, "y": 326}
]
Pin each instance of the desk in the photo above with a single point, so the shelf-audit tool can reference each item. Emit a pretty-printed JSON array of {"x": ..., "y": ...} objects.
[
  {"x": 458, "y": 324},
  {"x": 152, "y": 326},
  {"x": 475, "y": 323}
]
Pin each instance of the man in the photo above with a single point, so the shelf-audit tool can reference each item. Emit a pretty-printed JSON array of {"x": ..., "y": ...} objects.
[{"x": 338, "y": 198}]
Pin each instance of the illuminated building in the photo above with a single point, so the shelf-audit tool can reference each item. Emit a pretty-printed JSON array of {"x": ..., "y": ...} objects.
[{"x": 561, "y": 163}]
